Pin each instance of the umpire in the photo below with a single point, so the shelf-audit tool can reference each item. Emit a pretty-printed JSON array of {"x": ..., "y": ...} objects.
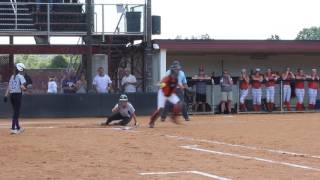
[{"x": 182, "y": 80}]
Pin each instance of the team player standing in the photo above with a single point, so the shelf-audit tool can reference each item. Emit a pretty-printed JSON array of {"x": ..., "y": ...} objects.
[{"x": 268, "y": 80}]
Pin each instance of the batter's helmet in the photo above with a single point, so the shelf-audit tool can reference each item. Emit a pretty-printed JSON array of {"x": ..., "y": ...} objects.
[
  {"x": 123, "y": 97},
  {"x": 20, "y": 66}
]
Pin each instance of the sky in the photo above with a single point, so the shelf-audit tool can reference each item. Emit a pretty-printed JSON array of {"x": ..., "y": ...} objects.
[{"x": 227, "y": 19}]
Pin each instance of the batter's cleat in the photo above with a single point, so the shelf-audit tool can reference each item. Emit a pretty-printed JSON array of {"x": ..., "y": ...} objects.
[
  {"x": 163, "y": 119},
  {"x": 188, "y": 119},
  {"x": 14, "y": 131},
  {"x": 21, "y": 130},
  {"x": 151, "y": 125},
  {"x": 104, "y": 123}
]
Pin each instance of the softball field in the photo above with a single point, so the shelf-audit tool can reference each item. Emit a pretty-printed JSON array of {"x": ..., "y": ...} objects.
[{"x": 279, "y": 146}]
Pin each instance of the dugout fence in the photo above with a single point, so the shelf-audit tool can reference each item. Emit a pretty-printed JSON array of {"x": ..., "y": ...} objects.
[
  {"x": 213, "y": 99},
  {"x": 279, "y": 105}
]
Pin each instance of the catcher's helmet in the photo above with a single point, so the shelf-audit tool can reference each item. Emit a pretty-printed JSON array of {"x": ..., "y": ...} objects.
[{"x": 123, "y": 97}]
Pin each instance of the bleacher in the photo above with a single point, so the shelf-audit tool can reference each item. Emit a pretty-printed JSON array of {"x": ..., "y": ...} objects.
[
  {"x": 63, "y": 17},
  {"x": 8, "y": 21},
  {"x": 31, "y": 17}
]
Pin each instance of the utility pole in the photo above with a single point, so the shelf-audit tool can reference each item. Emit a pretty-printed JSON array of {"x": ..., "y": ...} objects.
[
  {"x": 148, "y": 50},
  {"x": 88, "y": 53}
]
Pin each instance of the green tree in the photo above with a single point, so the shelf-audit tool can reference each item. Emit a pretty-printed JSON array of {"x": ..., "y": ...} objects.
[
  {"x": 274, "y": 37},
  {"x": 312, "y": 33},
  {"x": 58, "y": 62}
]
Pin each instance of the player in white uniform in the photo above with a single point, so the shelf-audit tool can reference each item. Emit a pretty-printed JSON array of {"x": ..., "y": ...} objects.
[
  {"x": 123, "y": 112},
  {"x": 16, "y": 86}
]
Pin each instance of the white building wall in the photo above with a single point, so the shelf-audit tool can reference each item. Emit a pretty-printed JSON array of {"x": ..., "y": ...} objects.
[{"x": 234, "y": 63}]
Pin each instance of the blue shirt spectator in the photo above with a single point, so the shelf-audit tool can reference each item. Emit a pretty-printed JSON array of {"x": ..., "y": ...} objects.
[{"x": 69, "y": 85}]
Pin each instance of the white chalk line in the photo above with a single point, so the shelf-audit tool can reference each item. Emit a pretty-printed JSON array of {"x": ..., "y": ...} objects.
[
  {"x": 127, "y": 129},
  {"x": 187, "y": 172},
  {"x": 196, "y": 148},
  {"x": 244, "y": 147},
  {"x": 27, "y": 123}
]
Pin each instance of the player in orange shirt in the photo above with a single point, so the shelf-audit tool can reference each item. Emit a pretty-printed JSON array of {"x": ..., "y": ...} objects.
[
  {"x": 313, "y": 88},
  {"x": 287, "y": 77},
  {"x": 299, "y": 84},
  {"x": 257, "y": 79},
  {"x": 244, "y": 89},
  {"x": 167, "y": 92},
  {"x": 271, "y": 79}
]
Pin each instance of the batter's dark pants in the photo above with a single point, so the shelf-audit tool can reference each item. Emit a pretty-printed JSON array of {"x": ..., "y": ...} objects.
[
  {"x": 15, "y": 99},
  {"x": 117, "y": 116},
  {"x": 168, "y": 106}
]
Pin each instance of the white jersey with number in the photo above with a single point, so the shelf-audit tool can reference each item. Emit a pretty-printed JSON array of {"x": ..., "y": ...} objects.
[{"x": 15, "y": 83}]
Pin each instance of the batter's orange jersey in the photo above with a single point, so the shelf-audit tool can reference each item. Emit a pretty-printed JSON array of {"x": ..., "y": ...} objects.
[{"x": 169, "y": 85}]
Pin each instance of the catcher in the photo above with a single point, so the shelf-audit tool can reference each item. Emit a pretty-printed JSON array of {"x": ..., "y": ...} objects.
[
  {"x": 123, "y": 112},
  {"x": 166, "y": 92}
]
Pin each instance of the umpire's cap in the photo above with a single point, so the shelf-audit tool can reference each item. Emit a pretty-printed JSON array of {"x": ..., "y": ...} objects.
[{"x": 123, "y": 97}]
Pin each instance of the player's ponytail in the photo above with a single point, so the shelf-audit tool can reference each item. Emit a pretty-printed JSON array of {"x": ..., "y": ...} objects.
[{"x": 16, "y": 71}]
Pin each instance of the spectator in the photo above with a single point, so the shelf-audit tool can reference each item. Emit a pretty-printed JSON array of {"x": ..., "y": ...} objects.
[
  {"x": 69, "y": 85},
  {"x": 101, "y": 81},
  {"x": 81, "y": 85},
  {"x": 182, "y": 80},
  {"x": 226, "y": 83},
  {"x": 63, "y": 78},
  {"x": 201, "y": 89},
  {"x": 129, "y": 82},
  {"x": 52, "y": 85}
]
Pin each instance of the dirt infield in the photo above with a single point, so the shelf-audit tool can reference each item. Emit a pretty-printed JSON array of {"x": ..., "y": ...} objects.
[{"x": 208, "y": 147}]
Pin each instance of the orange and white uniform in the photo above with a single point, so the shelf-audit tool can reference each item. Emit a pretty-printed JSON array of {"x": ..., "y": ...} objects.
[
  {"x": 286, "y": 87},
  {"x": 271, "y": 79},
  {"x": 300, "y": 92},
  {"x": 256, "y": 90},
  {"x": 313, "y": 90},
  {"x": 167, "y": 91},
  {"x": 244, "y": 87}
]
